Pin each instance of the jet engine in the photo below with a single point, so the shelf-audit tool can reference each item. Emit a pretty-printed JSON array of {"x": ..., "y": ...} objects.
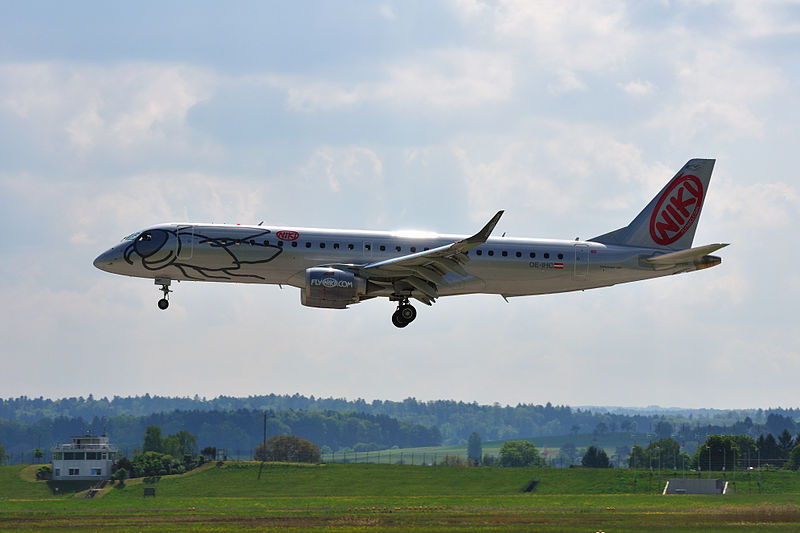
[{"x": 332, "y": 288}]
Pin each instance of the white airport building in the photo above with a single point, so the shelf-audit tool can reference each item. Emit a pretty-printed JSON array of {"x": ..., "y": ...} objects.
[{"x": 86, "y": 458}]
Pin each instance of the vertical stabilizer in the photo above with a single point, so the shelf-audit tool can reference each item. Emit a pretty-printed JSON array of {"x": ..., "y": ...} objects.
[{"x": 670, "y": 219}]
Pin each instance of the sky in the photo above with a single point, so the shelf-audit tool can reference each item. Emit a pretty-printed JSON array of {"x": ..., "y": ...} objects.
[{"x": 423, "y": 115}]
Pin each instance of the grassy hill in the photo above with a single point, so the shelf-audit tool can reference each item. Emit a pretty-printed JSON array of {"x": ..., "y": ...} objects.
[
  {"x": 242, "y": 480},
  {"x": 399, "y": 498}
]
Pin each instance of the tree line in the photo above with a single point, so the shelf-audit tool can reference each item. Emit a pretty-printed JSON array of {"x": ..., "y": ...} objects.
[
  {"x": 455, "y": 420},
  {"x": 237, "y": 432},
  {"x": 720, "y": 452}
]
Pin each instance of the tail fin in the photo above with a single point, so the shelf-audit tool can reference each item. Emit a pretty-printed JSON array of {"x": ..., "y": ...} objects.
[{"x": 670, "y": 219}]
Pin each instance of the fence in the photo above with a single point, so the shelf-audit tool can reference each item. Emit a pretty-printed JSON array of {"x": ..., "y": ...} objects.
[{"x": 391, "y": 457}]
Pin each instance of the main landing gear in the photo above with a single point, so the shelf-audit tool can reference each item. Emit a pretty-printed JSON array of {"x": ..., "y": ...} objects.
[
  {"x": 404, "y": 315},
  {"x": 163, "y": 303}
]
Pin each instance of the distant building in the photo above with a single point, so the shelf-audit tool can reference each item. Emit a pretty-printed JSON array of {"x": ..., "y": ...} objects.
[{"x": 86, "y": 458}]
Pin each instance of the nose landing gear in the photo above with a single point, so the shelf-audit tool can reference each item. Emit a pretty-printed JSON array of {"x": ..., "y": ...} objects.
[
  {"x": 404, "y": 315},
  {"x": 163, "y": 303}
]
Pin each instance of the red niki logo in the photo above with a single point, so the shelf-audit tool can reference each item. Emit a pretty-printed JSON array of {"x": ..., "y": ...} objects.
[
  {"x": 676, "y": 210},
  {"x": 288, "y": 235}
]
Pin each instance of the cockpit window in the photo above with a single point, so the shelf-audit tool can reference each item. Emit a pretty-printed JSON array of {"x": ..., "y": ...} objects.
[{"x": 132, "y": 236}]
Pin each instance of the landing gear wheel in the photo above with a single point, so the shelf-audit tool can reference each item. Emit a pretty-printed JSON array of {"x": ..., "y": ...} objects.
[
  {"x": 163, "y": 303},
  {"x": 398, "y": 321},
  {"x": 407, "y": 313}
]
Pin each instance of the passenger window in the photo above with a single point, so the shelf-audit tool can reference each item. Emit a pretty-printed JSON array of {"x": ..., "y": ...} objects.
[
  {"x": 368, "y": 247},
  {"x": 266, "y": 242},
  {"x": 546, "y": 255},
  {"x": 350, "y": 247},
  {"x": 505, "y": 253},
  {"x": 533, "y": 254},
  {"x": 491, "y": 252},
  {"x": 397, "y": 248},
  {"x": 322, "y": 245},
  {"x": 294, "y": 244},
  {"x": 479, "y": 252},
  {"x": 308, "y": 245},
  {"x": 519, "y": 254},
  {"x": 280, "y": 243},
  {"x": 383, "y": 248},
  {"x": 252, "y": 242},
  {"x": 561, "y": 256},
  {"x": 413, "y": 249},
  {"x": 336, "y": 246}
]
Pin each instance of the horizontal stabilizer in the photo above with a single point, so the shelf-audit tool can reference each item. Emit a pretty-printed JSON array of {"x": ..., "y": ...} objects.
[{"x": 683, "y": 256}]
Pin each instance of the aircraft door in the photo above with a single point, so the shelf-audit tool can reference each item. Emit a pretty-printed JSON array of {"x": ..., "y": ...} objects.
[
  {"x": 581, "y": 261},
  {"x": 185, "y": 242}
]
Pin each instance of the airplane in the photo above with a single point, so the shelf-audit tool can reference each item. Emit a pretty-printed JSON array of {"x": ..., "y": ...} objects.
[{"x": 335, "y": 268}]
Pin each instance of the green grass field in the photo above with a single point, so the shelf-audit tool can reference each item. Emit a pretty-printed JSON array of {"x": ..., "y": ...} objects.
[{"x": 338, "y": 497}]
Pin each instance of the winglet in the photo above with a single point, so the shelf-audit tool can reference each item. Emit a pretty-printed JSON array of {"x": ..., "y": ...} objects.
[{"x": 480, "y": 237}]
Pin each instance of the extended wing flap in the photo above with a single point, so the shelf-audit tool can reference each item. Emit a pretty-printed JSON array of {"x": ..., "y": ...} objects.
[{"x": 422, "y": 286}]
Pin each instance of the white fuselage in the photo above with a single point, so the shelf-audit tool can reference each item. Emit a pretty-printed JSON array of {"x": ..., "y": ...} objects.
[{"x": 258, "y": 254}]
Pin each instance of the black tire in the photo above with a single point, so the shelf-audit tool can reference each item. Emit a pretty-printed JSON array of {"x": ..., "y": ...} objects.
[
  {"x": 398, "y": 321},
  {"x": 407, "y": 313},
  {"x": 163, "y": 303}
]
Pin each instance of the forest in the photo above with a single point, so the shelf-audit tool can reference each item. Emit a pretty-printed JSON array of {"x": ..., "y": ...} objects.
[{"x": 236, "y": 424}]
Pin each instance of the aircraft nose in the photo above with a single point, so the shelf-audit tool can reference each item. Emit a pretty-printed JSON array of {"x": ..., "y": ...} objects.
[{"x": 107, "y": 259}]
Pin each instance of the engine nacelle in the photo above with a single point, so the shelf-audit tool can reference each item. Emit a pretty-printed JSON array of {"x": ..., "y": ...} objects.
[{"x": 332, "y": 288}]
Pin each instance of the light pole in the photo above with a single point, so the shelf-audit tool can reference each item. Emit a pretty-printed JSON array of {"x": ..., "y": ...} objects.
[{"x": 658, "y": 448}]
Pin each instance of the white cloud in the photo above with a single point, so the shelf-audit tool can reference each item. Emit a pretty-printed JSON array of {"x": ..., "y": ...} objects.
[
  {"x": 93, "y": 108},
  {"x": 766, "y": 19},
  {"x": 638, "y": 87},
  {"x": 568, "y": 170},
  {"x": 354, "y": 166},
  {"x": 566, "y": 81},
  {"x": 758, "y": 206},
  {"x": 716, "y": 89},
  {"x": 387, "y": 12},
  {"x": 571, "y": 35},
  {"x": 449, "y": 80}
]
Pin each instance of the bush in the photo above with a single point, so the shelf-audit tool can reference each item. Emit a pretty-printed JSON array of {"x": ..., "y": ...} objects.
[
  {"x": 452, "y": 460},
  {"x": 520, "y": 453},
  {"x": 595, "y": 458},
  {"x": 44, "y": 472},
  {"x": 288, "y": 448},
  {"x": 120, "y": 475},
  {"x": 794, "y": 459},
  {"x": 149, "y": 464},
  {"x": 367, "y": 447}
]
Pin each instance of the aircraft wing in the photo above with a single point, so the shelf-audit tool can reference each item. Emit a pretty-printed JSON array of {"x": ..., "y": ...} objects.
[{"x": 423, "y": 272}]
